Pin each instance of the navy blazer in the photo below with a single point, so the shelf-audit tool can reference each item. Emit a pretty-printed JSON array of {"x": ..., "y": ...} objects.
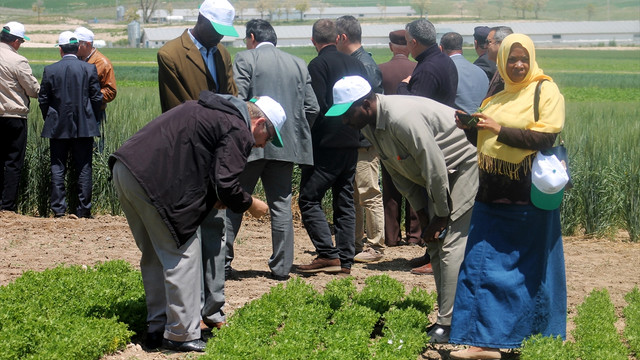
[{"x": 70, "y": 99}]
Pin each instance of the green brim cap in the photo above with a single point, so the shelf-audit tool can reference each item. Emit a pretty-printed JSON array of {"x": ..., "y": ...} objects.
[
  {"x": 226, "y": 30},
  {"x": 546, "y": 201},
  {"x": 339, "y": 109},
  {"x": 277, "y": 140}
]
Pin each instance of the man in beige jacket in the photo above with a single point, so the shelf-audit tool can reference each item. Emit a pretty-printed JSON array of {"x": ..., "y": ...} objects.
[{"x": 17, "y": 84}]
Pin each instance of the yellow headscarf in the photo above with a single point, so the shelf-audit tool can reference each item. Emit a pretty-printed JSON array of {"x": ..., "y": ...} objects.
[{"x": 513, "y": 108}]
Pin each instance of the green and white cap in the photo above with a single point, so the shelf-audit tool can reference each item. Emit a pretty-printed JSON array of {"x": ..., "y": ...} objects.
[
  {"x": 66, "y": 38},
  {"x": 275, "y": 113},
  {"x": 221, "y": 14},
  {"x": 346, "y": 91},
  {"x": 16, "y": 29},
  {"x": 548, "y": 179}
]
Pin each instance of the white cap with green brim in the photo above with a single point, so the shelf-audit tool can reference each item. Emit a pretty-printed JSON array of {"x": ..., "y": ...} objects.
[
  {"x": 274, "y": 112},
  {"x": 548, "y": 179},
  {"x": 66, "y": 38},
  {"x": 15, "y": 28},
  {"x": 346, "y": 91},
  {"x": 221, "y": 14}
]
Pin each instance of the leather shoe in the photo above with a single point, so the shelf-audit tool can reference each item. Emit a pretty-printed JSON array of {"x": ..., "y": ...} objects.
[
  {"x": 422, "y": 270},
  {"x": 193, "y": 345},
  {"x": 154, "y": 340},
  {"x": 208, "y": 327},
  {"x": 475, "y": 353}
]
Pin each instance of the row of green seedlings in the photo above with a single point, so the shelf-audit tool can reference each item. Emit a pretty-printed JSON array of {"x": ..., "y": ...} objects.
[
  {"x": 294, "y": 321},
  {"x": 72, "y": 312},
  {"x": 596, "y": 337}
]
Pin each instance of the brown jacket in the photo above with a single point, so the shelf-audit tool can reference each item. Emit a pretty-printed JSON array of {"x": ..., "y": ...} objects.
[
  {"x": 106, "y": 76},
  {"x": 182, "y": 73}
]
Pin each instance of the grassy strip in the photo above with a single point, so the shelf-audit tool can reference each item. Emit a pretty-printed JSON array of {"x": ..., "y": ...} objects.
[
  {"x": 632, "y": 320},
  {"x": 297, "y": 322},
  {"x": 595, "y": 333},
  {"x": 71, "y": 312}
]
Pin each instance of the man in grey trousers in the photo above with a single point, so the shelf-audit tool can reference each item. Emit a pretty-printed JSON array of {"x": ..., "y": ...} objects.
[{"x": 265, "y": 69}]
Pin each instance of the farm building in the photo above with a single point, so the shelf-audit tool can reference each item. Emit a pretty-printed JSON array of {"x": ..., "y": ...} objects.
[{"x": 544, "y": 34}]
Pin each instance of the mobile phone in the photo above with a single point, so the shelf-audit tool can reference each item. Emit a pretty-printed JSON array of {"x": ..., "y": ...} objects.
[
  {"x": 443, "y": 234},
  {"x": 467, "y": 119}
]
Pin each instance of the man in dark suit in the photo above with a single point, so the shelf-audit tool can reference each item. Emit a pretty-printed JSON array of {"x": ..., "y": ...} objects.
[
  {"x": 335, "y": 153},
  {"x": 265, "y": 70},
  {"x": 196, "y": 60},
  {"x": 393, "y": 71},
  {"x": 69, "y": 99},
  {"x": 187, "y": 65},
  {"x": 480, "y": 44}
]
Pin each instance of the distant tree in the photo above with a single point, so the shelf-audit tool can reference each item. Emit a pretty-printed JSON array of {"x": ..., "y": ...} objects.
[
  {"x": 591, "y": 9},
  {"x": 460, "y": 6},
  {"x": 262, "y": 6},
  {"x": 383, "y": 10},
  {"x": 420, "y": 6},
  {"x": 240, "y": 7},
  {"x": 169, "y": 9},
  {"x": 321, "y": 7},
  {"x": 500, "y": 5},
  {"x": 480, "y": 6},
  {"x": 522, "y": 5},
  {"x": 38, "y": 8},
  {"x": 131, "y": 15},
  {"x": 538, "y": 5},
  {"x": 287, "y": 5},
  {"x": 302, "y": 6},
  {"x": 147, "y": 7}
]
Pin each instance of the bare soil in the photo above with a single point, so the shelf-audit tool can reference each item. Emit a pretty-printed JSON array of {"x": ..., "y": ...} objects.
[{"x": 30, "y": 243}]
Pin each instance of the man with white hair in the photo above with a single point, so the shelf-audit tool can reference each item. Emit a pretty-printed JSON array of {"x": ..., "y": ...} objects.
[
  {"x": 88, "y": 53},
  {"x": 17, "y": 84}
]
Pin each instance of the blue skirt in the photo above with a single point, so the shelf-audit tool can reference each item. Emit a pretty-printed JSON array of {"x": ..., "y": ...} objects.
[{"x": 512, "y": 281}]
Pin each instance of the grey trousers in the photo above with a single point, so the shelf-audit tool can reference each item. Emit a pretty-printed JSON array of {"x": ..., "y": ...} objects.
[
  {"x": 212, "y": 233},
  {"x": 276, "y": 180},
  {"x": 171, "y": 275}
]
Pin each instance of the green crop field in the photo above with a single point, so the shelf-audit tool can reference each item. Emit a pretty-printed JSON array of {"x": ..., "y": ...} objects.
[{"x": 601, "y": 90}]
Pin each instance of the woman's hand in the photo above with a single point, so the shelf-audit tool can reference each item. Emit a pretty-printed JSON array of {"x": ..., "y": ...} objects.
[
  {"x": 459, "y": 123},
  {"x": 487, "y": 123}
]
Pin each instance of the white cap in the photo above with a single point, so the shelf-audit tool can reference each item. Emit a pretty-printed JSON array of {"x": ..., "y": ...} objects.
[
  {"x": 84, "y": 34},
  {"x": 67, "y": 37},
  {"x": 275, "y": 113},
  {"x": 15, "y": 29},
  {"x": 346, "y": 91},
  {"x": 221, "y": 14},
  {"x": 548, "y": 179}
]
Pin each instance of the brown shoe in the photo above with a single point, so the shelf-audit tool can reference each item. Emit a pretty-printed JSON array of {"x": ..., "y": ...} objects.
[
  {"x": 321, "y": 265},
  {"x": 476, "y": 353},
  {"x": 422, "y": 270},
  {"x": 345, "y": 271},
  {"x": 208, "y": 327}
]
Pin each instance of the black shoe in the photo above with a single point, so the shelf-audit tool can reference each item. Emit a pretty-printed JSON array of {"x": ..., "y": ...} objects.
[
  {"x": 193, "y": 345},
  {"x": 230, "y": 274},
  {"x": 279, "y": 277},
  {"x": 154, "y": 340}
]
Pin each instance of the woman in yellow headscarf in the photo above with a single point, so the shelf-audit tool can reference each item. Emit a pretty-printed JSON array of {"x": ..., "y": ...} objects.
[{"x": 512, "y": 280}]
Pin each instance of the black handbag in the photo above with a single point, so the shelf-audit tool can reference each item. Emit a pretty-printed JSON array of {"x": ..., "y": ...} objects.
[{"x": 559, "y": 151}]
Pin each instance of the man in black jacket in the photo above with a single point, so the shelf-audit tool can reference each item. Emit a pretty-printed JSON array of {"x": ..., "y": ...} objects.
[
  {"x": 177, "y": 172},
  {"x": 335, "y": 153}
]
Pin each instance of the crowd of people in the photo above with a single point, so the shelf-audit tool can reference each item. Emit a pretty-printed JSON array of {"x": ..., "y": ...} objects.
[{"x": 186, "y": 178}]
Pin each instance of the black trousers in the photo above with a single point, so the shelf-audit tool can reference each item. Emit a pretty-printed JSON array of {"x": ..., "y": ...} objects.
[
  {"x": 13, "y": 145},
  {"x": 81, "y": 150},
  {"x": 333, "y": 169}
]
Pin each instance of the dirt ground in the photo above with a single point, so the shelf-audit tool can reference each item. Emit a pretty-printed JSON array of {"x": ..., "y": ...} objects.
[{"x": 30, "y": 243}]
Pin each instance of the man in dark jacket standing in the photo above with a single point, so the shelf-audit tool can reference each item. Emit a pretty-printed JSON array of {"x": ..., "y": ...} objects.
[
  {"x": 335, "y": 153},
  {"x": 435, "y": 76},
  {"x": 69, "y": 99},
  {"x": 173, "y": 175}
]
